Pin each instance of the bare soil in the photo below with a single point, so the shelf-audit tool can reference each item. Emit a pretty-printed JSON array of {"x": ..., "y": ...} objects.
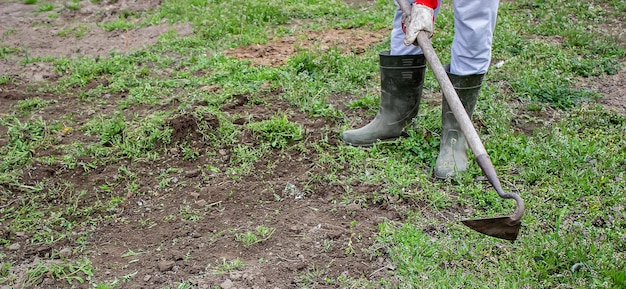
[
  {"x": 315, "y": 231},
  {"x": 317, "y": 236}
]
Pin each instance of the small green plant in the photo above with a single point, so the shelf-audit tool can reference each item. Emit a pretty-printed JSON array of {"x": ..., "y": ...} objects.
[
  {"x": 30, "y": 2},
  {"x": 78, "y": 271},
  {"x": 184, "y": 285},
  {"x": 368, "y": 101},
  {"x": 77, "y": 31},
  {"x": 130, "y": 253},
  {"x": 5, "y": 269},
  {"x": 314, "y": 275},
  {"x": 45, "y": 7},
  {"x": 73, "y": 6},
  {"x": 190, "y": 214},
  {"x": 31, "y": 104},
  {"x": 4, "y": 79},
  {"x": 6, "y": 52},
  {"x": 327, "y": 245},
  {"x": 118, "y": 24},
  {"x": 110, "y": 130},
  {"x": 228, "y": 266},
  {"x": 278, "y": 131},
  {"x": 261, "y": 234},
  {"x": 129, "y": 276}
]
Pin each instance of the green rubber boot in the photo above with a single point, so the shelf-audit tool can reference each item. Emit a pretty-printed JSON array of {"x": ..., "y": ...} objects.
[
  {"x": 401, "y": 81},
  {"x": 452, "y": 157}
]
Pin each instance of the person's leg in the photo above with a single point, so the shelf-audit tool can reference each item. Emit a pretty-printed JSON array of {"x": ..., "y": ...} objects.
[
  {"x": 474, "y": 23},
  {"x": 401, "y": 77},
  {"x": 401, "y": 82}
]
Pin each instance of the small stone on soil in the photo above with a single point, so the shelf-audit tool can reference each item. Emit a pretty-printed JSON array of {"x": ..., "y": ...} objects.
[
  {"x": 235, "y": 276},
  {"x": 297, "y": 266},
  {"x": 165, "y": 265},
  {"x": 201, "y": 203},
  {"x": 227, "y": 284},
  {"x": 48, "y": 281},
  {"x": 192, "y": 173},
  {"x": 14, "y": 247},
  {"x": 195, "y": 269},
  {"x": 65, "y": 253},
  {"x": 177, "y": 255}
]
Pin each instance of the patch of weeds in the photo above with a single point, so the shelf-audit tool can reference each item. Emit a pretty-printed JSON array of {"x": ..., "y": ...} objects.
[
  {"x": 30, "y": 2},
  {"x": 45, "y": 7},
  {"x": 6, "y": 52},
  {"x": 261, "y": 234},
  {"x": 69, "y": 162},
  {"x": 73, "y": 6},
  {"x": 4, "y": 79},
  {"x": 327, "y": 245},
  {"x": 131, "y": 139},
  {"x": 5, "y": 270},
  {"x": 190, "y": 214},
  {"x": 110, "y": 285},
  {"x": 189, "y": 152},
  {"x": 22, "y": 138},
  {"x": 243, "y": 158},
  {"x": 165, "y": 177},
  {"x": 594, "y": 67},
  {"x": 311, "y": 77},
  {"x": 78, "y": 271},
  {"x": 227, "y": 266},
  {"x": 560, "y": 97},
  {"x": 278, "y": 131},
  {"x": 369, "y": 102},
  {"x": 77, "y": 31},
  {"x": 312, "y": 277},
  {"x": 117, "y": 24},
  {"x": 109, "y": 129},
  {"x": 344, "y": 281},
  {"x": 183, "y": 285},
  {"x": 28, "y": 105}
]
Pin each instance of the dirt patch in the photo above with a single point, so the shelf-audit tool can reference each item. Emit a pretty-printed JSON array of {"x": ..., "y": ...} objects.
[
  {"x": 185, "y": 128},
  {"x": 611, "y": 87},
  {"x": 192, "y": 231},
  {"x": 276, "y": 52},
  {"x": 186, "y": 219},
  {"x": 74, "y": 33}
]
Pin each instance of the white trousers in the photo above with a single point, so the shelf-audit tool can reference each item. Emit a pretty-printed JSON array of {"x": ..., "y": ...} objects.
[{"x": 474, "y": 23}]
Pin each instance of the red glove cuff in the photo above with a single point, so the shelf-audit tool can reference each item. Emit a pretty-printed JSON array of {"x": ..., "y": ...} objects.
[{"x": 428, "y": 3}]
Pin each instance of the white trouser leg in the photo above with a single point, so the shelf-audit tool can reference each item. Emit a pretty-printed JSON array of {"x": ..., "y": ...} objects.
[
  {"x": 397, "y": 35},
  {"x": 474, "y": 23}
]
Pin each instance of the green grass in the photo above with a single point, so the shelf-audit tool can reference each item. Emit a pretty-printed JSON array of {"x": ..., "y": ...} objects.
[
  {"x": 260, "y": 234},
  {"x": 45, "y": 7},
  {"x": 570, "y": 169}
]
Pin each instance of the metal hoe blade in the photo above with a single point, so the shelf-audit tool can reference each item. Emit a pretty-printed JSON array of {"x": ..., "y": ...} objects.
[{"x": 502, "y": 227}]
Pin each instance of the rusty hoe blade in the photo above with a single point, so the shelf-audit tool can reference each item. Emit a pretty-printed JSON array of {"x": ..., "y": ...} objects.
[{"x": 500, "y": 227}]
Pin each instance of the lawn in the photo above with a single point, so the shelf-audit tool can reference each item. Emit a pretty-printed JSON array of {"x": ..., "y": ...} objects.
[{"x": 195, "y": 144}]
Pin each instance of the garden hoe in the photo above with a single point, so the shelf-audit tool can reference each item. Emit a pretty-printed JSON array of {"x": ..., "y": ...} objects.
[{"x": 501, "y": 227}]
